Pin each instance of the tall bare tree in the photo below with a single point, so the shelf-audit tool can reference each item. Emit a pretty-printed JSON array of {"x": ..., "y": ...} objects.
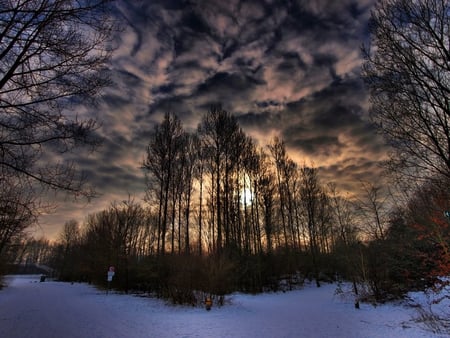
[
  {"x": 69, "y": 240},
  {"x": 346, "y": 237},
  {"x": 373, "y": 208},
  {"x": 163, "y": 151},
  {"x": 221, "y": 137},
  {"x": 311, "y": 193},
  {"x": 285, "y": 169},
  {"x": 53, "y": 55},
  {"x": 407, "y": 69}
]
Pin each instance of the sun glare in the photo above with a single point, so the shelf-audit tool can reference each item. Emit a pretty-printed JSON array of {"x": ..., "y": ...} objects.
[{"x": 246, "y": 196}]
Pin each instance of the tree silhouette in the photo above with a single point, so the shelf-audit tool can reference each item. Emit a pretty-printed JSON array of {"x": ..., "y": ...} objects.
[
  {"x": 407, "y": 69},
  {"x": 52, "y": 55}
]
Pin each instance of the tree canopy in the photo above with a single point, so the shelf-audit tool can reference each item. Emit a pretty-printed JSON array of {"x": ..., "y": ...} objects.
[{"x": 407, "y": 68}]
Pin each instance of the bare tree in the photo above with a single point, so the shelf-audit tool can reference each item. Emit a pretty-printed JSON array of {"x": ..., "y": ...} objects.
[
  {"x": 221, "y": 137},
  {"x": 373, "y": 208},
  {"x": 346, "y": 237},
  {"x": 278, "y": 151},
  {"x": 53, "y": 54},
  {"x": 164, "y": 149},
  {"x": 189, "y": 160},
  {"x": 69, "y": 239},
  {"x": 18, "y": 210},
  {"x": 266, "y": 196},
  {"x": 311, "y": 193},
  {"x": 199, "y": 170},
  {"x": 407, "y": 69},
  {"x": 38, "y": 251}
]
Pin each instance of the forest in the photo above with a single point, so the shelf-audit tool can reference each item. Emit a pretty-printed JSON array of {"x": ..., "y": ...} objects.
[{"x": 222, "y": 214}]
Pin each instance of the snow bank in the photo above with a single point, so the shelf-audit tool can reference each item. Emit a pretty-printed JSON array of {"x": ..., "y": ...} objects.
[{"x": 31, "y": 309}]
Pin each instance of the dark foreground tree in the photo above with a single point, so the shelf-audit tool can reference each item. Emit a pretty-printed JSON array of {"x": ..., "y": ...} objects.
[
  {"x": 407, "y": 69},
  {"x": 52, "y": 57},
  {"x": 17, "y": 212}
]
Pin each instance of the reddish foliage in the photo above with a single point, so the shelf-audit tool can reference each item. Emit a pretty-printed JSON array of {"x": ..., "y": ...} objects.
[{"x": 436, "y": 235}]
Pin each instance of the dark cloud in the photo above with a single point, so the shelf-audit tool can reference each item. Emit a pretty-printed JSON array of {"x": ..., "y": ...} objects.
[
  {"x": 326, "y": 145},
  {"x": 284, "y": 67},
  {"x": 290, "y": 61},
  {"x": 228, "y": 85},
  {"x": 350, "y": 173},
  {"x": 262, "y": 120}
]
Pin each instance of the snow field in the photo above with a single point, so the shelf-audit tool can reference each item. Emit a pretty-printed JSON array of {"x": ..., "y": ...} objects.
[{"x": 32, "y": 309}]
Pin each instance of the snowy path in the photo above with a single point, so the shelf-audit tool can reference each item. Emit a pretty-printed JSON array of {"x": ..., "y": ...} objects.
[{"x": 29, "y": 309}]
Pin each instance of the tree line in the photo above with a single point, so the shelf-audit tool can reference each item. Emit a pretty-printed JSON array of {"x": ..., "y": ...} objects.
[{"x": 223, "y": 214}]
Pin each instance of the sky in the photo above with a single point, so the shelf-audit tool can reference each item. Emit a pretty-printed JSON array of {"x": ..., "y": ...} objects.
[{"x": 286, "y": 68}]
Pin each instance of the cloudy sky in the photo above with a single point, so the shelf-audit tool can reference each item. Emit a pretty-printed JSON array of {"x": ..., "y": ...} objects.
[{"x": 287, "y": 68}]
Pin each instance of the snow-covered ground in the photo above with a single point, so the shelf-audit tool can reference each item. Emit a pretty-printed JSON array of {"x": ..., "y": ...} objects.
[{"x": 32, "y": 309}]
